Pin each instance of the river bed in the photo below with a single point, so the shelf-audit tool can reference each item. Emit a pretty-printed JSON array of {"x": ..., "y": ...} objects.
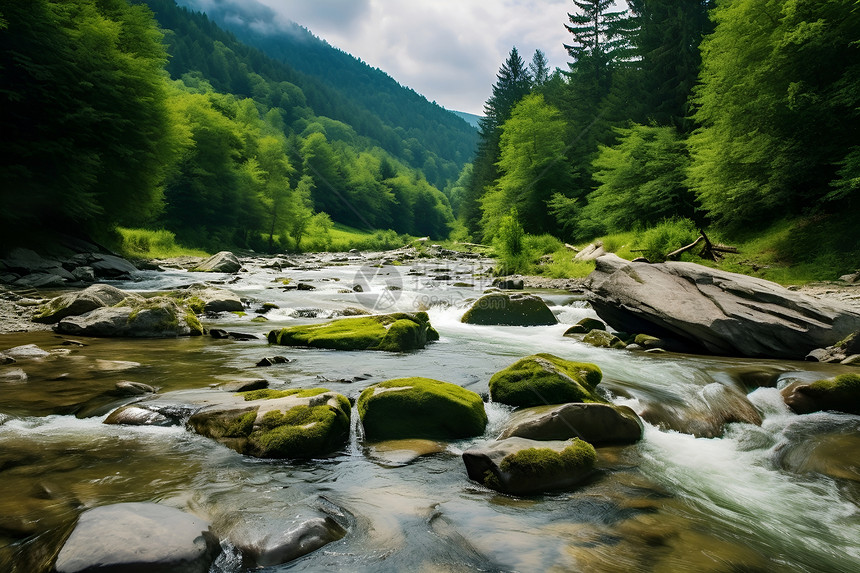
[{"x": 783, "y": 496}]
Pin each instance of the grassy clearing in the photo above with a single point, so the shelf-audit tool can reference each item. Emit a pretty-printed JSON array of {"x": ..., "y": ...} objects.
[
  {"x": 789, "y": 252},
  {"x": 149, "y": 244}
]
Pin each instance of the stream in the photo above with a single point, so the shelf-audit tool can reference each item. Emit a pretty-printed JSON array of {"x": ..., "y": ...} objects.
[{"x": 783, "y": 496}]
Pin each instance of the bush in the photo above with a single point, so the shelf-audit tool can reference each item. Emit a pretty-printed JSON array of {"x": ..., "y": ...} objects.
[
  {"x": 670, "y": 235},
  {"x": 148, "y": 244}
]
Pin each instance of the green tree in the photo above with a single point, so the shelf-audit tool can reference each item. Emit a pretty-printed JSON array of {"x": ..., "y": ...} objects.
[
  {"x": 642, "y": 180},
  {"x": 601, "y": 40},
  {"x": 513, "y": 82},
  {"x": 88, "y": 138},
  {"x": 778, "y": 104},
  {"x": 533, "y": 167}
]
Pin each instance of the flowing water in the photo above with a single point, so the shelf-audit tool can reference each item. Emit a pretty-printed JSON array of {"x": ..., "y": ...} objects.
[{"x": 783, "y": 496}]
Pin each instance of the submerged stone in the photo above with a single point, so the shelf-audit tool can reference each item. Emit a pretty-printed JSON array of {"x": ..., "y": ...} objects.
[
  {"x": 420, "y": 408},
  {"x": 523, "y": 467},
  {"x": 274, "y": 547},
  {"x": 137, "y": 537},
  {"x": 399, "y": 332},
  {"x": 544, "y": 379},
  {"x": 504, "y": 309}
]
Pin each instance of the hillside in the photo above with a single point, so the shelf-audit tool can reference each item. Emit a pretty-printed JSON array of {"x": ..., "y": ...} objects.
[{"x": 428, "y": 136}]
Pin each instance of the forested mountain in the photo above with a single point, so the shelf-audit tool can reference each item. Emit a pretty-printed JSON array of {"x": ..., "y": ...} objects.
[
  {"x": 734, "y": 114},
  {"x": 111, "y": 117},
  {"x": 421, "y": 133}
]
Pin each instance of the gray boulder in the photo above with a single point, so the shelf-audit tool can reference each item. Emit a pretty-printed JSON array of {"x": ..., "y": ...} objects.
[
  {"x": 591, "y": 252},
  {"x": 78, "y": 303},
  {"x": 138, "y": 537},
  {"x": 715, "y": 311},
  {"x": 839, "y": 352},
  {"x": 26, "y": 352},
  {"x": 212, "y": 299},
  {"x": 223, "y": 262},
  {"x": 505, "y": 309},
  {"x": 597, "y": 424},
  {"x": 522, "y": 467},
  {"x": 158, "y": 317}
]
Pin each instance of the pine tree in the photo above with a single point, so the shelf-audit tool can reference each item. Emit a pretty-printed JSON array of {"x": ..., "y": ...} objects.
[
  {"x": 601, "y": 40},
  {"x": 539, "y": 69},
  {"x": 513, "y": 83}
]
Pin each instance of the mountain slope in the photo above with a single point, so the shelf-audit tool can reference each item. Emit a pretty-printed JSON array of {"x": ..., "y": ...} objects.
[{"x": 421, "y": 126}]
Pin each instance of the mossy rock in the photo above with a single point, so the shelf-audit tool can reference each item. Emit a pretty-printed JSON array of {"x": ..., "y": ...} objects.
[
  {"x": 523, "y": 467},
  {"x": 420, "y": 408},
  {"x": 399, "y": 332},
  {"x": 840, "y": 394},
  {"x": 135, "y": 317},
  {"x": 504, "y": 309},
  {"x": 545, "y": 379},
  {"x": 603, "y": 339},
  {"x": 296, "y": 423},
  {"x": 648, "y": 342},
  {"x": 78, "y": 303}
]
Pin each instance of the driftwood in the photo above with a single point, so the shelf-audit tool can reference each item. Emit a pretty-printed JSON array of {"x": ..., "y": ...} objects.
[{"x": 709, "y": 251}]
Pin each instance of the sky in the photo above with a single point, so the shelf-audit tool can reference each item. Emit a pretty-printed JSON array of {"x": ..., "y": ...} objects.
[{"x": 447, "y": 50}]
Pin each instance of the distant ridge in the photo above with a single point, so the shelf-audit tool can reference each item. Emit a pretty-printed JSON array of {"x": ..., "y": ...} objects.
[{"x": 469, "y": 118}]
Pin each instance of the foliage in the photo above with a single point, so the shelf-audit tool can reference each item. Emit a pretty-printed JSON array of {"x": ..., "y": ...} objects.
[
  {"x": 152, "y": 244},
  {"x": 779, "y": 106},
  {"x": 88, "y": 138},
  {"x": 531, "y": 165},
  {"x": 510, "y": 244},
  {"x": 642, "y": 179},
  {"x": 672, "y": 234},
  {"x": 545, "y": 379}
]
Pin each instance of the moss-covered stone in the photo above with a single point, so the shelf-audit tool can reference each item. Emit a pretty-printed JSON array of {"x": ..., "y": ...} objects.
[
  {"x": 135, "y": 317},
  {"x": 399, "y": 332},
  {"x": 295, "y": 423},
  {"x": 648, "y": 342},
  {"x": 523, "y": 467},
  {"x": 420, "y": 408},
  {"x": 545, "y": 379},
  {"x": 78, "y": 303},
  {"x": 603, "y": 339},
  {"x": 506, "y": 309},
  {"x": 841, "y": 394},
  {"x": 534, "y": 462}
]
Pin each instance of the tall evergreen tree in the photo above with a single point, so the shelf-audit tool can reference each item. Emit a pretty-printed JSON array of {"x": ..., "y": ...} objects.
[
  {"x": 601, "y": 40},
  {"x": 666, "y": 40},
  {"x": 539, "y": 69},
  {"x": 513, "y": 82}
]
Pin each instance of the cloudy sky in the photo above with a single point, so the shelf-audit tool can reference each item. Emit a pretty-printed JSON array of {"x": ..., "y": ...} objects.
[{"x": 447, "y": 50}]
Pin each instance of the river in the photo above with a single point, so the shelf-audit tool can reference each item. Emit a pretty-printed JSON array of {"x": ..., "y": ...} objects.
[{"x": 783, "y": 496}]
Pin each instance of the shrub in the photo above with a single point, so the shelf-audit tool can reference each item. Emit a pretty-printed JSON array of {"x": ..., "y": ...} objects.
[{"x": 670, "y": 235}]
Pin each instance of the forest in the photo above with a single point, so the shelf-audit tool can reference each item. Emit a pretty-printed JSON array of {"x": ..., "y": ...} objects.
[
  {"x": 731, "y": 115},
  {"x": 149, "y": 115},
  {"x": 735, "y": 116}
]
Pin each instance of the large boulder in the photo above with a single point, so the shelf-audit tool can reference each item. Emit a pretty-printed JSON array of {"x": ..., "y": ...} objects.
[
  {"x": 544, "y": 379},
  {"x": 157, "y": 317},
  {"x": 715, "y": 311},
  {"x": 840, "y": 394},
  {"x": 223, "y": 262},
  {"x": 420, "y": 408},
  {"x": 138, "y": 537},
  {"x": 522, "y": 467},
  {"x": 597, "y": 424},
  {"x": 81, "y": 302},
  {"x": 506, "y": 309},
  {"x": 295, "y": 423},
  {"x": 110, "y": 266},
  {"x": 399, "y": 332}
]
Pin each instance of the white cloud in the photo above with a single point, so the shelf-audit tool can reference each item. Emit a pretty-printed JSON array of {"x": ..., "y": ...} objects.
[{"x": 447, "y": 50}]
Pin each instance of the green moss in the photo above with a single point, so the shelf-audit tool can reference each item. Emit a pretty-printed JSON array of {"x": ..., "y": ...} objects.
[
  {"x": 301, "y": 432},
  {"x": 590, "y": 324},
  {"x": 259, "y": 319},
  {"x": 392, "y": 332},
  {"x": 239, "y": 313},
  {"x": 603, "y": 339},
  {"x": 545, "y": 379},
  {"x": 241, "y": 427},
  {"x": 509, "y": 310},
  {"x": 491, "y": 480},
  {"x": 269, "y": 394},
  {"x": 193, "y": 323},
  {"x": 420, "y": 408},
  {"x": 267, "y": 306},
  {"x": 536, "y": 462},
  {"x": 841, "y": 393}
]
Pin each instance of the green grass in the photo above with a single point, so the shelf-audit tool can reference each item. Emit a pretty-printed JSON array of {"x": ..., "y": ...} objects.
[{"x": 149, "y": 244}]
